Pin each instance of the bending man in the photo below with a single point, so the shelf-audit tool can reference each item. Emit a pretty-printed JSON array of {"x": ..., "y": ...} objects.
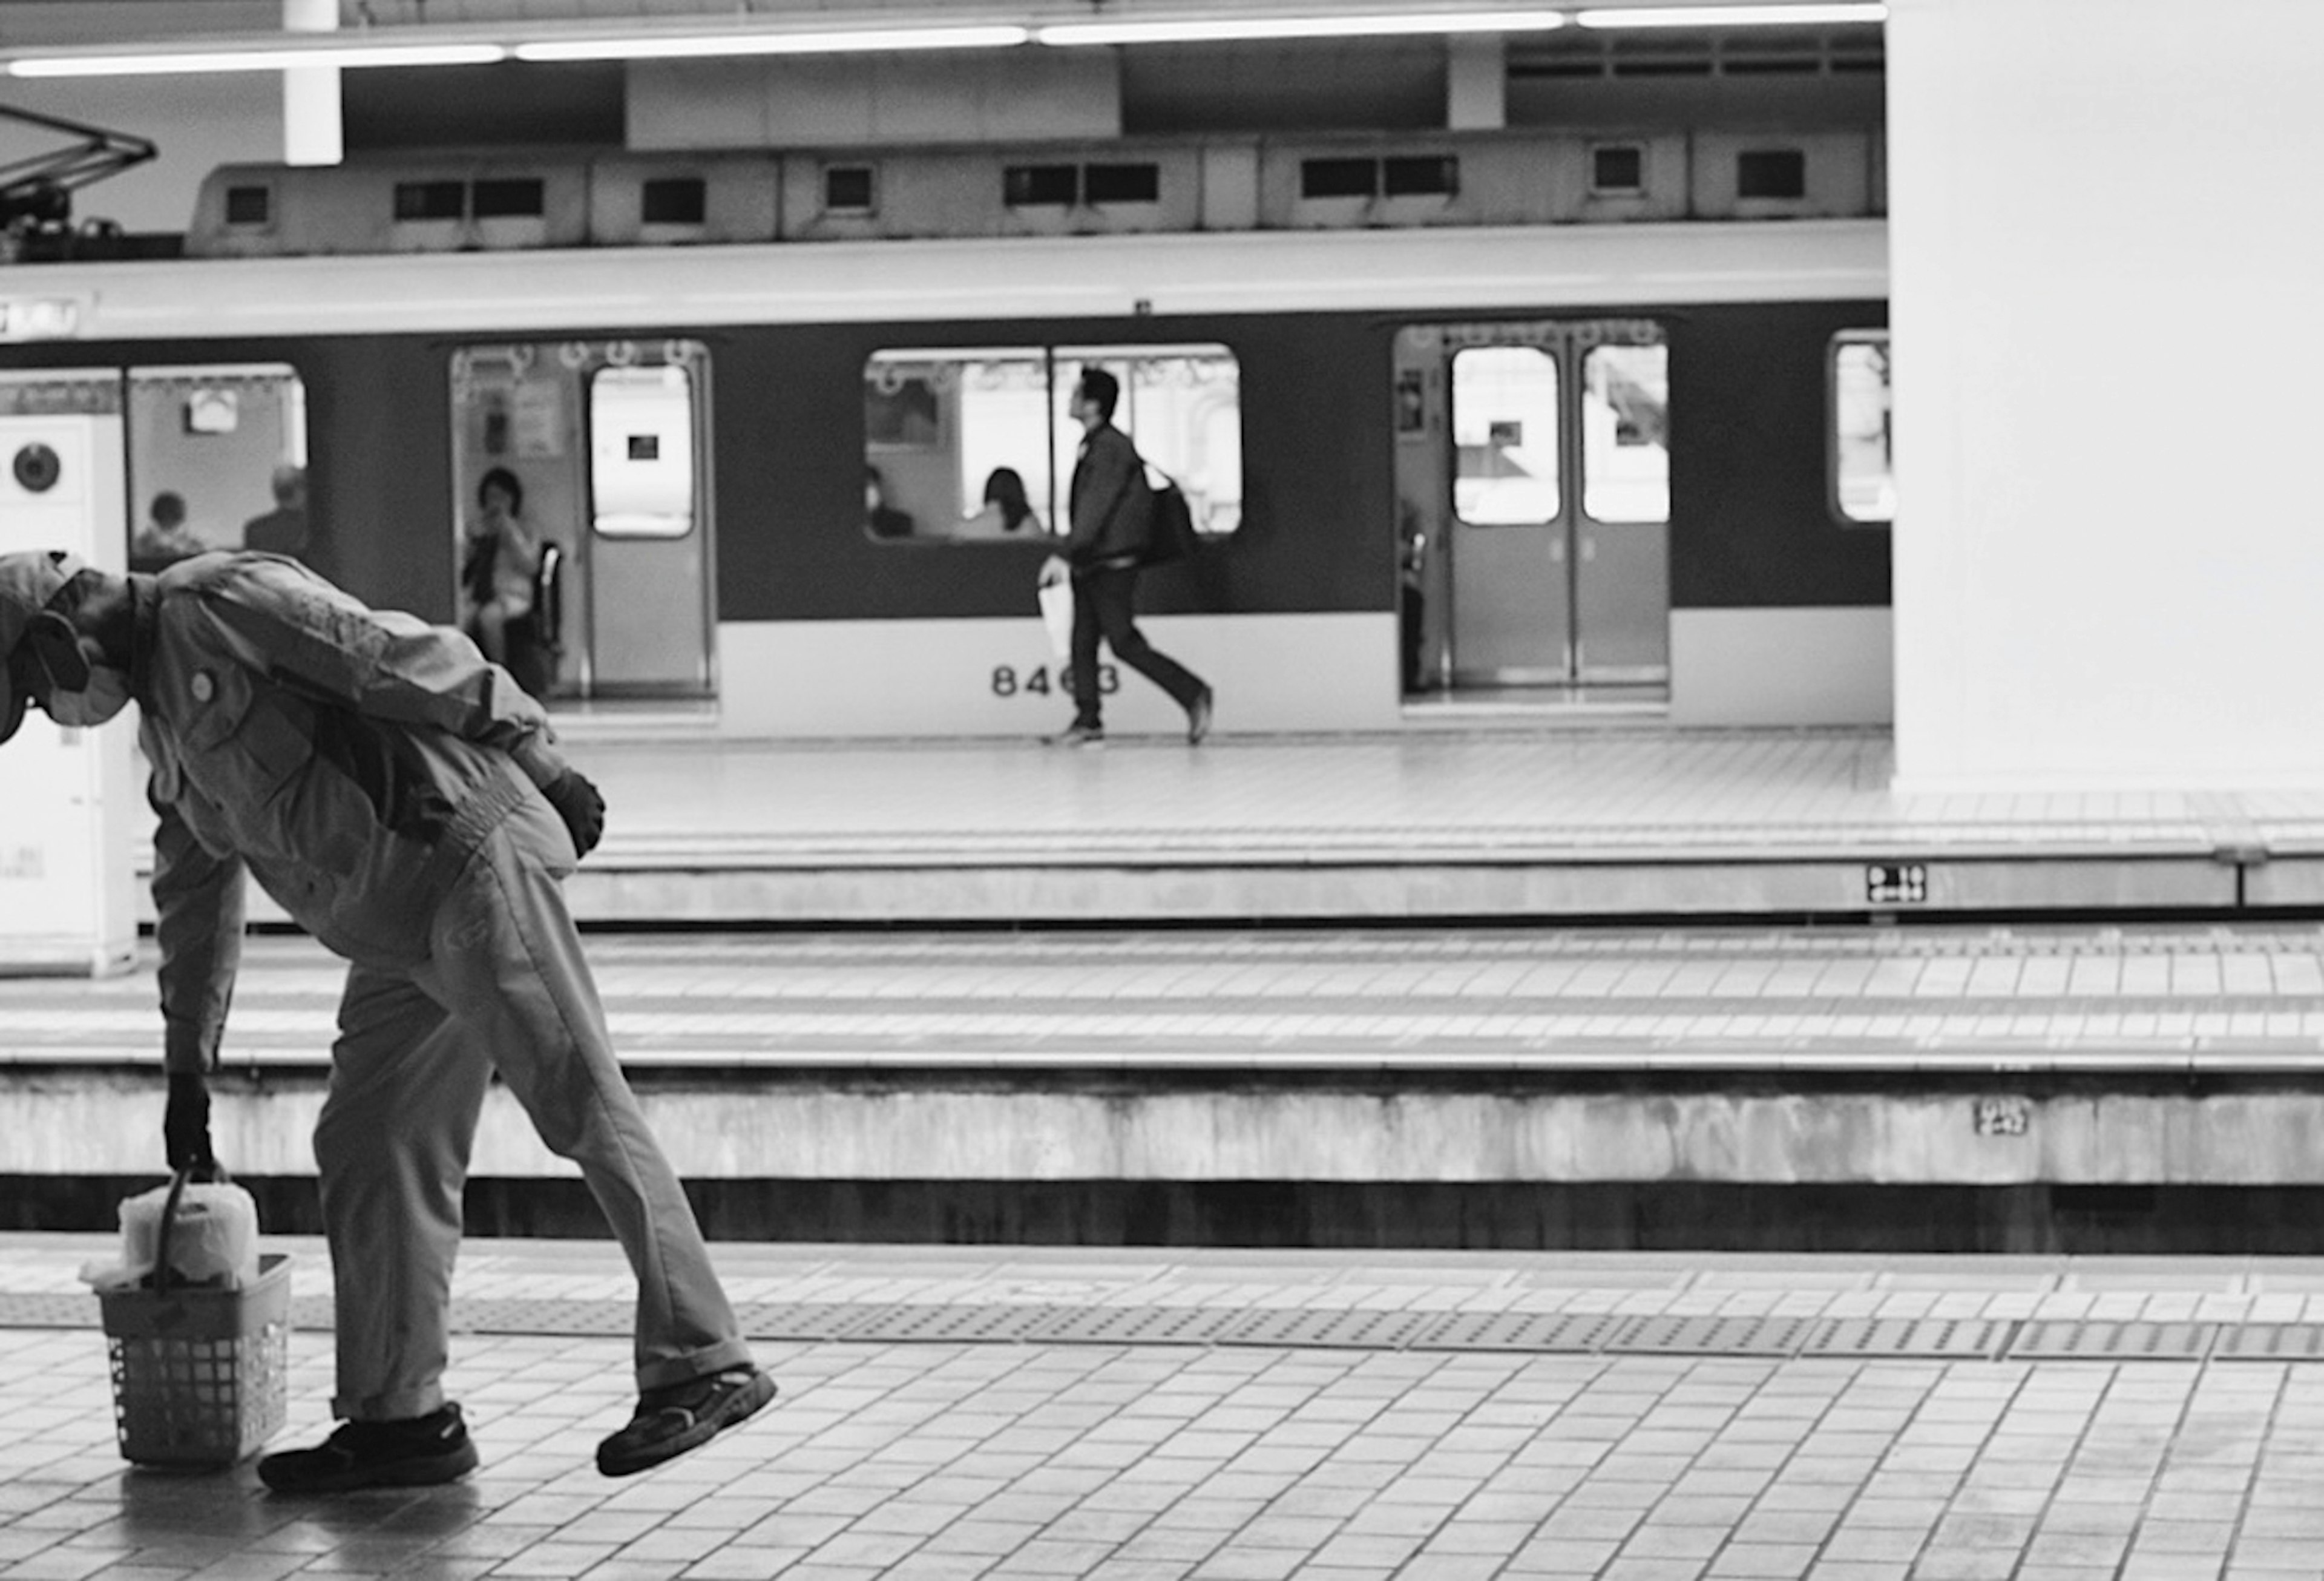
[{"x": 401, "y": 799}]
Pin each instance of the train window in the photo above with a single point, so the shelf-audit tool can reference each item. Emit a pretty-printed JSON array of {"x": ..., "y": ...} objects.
[
  {"x": 673, "y": 200},
  {"x": 1123, "y": 183},
  {"x": 250, "y": 206},
  {"x": 1617, "y": 169},
  {"x": 227, "y": 444},
  {"x": 1421, "y": 176},
  {"x": 978, "y": 446},
  {"x": 1863, "y": 483},
  {"x": 1505, "y": 430},
  {"x": 848, "y": 189},
  {"x": 1771, "y": 172},
  {"x": 1339, "y": 177},
  {"x": 509, "y": 197},
  {"x": 1625, "y": 438},
  {"x": 431, "y": 200},
  {"x": 1041, "y": 186}
]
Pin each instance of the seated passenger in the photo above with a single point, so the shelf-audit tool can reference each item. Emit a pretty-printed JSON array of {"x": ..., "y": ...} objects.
[
  {"x": 165, "y": 538},
  {"x": 498, "y": 565},
  {"x": 284, "y": 529},
  {"x": 880, "y": 519},
  {"x": 1007, "y": 512}
]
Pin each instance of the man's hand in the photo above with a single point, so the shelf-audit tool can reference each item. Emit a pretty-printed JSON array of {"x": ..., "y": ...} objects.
[
  {"x": 186, "y": 1124},
  {"x": 577, "y": 802},
  {"x": 1054, "y": 570}
]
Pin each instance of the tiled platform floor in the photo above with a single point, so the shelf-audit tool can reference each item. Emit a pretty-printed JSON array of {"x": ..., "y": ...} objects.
[
  {"x": 2144, "y": 996},
  {"x": 1250, "y": 1462}
]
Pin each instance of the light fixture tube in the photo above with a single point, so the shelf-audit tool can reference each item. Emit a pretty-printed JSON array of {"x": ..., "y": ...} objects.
[
  {"x": 690, "y": 46},
  {"x": 1787, "y": 15},
  {"x": 287, "y": 57},
  {"x": 1383, "y": 24}
]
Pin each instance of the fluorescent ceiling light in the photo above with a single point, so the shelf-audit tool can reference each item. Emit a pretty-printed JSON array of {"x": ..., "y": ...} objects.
[
  {"x": 1206, "y": 29},
  {"x": 284, "y": 58},
  {"x": 1730, "y": 15},
  {"x": 679, "y": 46}
]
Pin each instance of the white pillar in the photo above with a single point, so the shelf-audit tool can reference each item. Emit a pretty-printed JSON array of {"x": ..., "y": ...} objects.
[
  {"x": 2109, "y": 552},
  {"x": 1476, "y": 82},
  {"x": 310, "y": 98}
]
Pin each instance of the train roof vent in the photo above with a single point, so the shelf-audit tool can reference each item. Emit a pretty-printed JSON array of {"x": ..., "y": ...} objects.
[
  {"x": 673, "y": 200},
  {"x": 1771, "y": 172},
  {"x": 431, "y": 200},
  {"x": 1040, "y": 186},
  {"x": 1744, "y": 52},
  {"x": 849, "y": 189},
  {"x": 1339, "y": 177},
  {"x": 1123, "y": 183},
  {"x": 509, "y": 197},
  {"x": 1429, "y": 175},
  {"x": 250, "y": 207}
]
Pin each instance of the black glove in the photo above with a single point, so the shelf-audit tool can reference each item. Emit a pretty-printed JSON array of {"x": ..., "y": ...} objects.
[
  {"x": 186, "y": 1124},
  {"x": 576, "y": 801}
]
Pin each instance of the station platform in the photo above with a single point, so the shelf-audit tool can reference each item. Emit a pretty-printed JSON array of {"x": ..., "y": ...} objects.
[
  {"x": 1613, "y": 819},
  {"x": 1935, "y": 1086},
  {"x": 962, "y": 1415}
]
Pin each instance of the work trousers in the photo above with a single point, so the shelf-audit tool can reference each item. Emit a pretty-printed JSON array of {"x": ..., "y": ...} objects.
[
  {"x": 1102, "y": 598},
  {"x": 504, "y": 989}
]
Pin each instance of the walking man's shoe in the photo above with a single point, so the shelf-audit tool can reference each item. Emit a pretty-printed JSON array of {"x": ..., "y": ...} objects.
[
  {"x": 1076, "y": 736},
  {"x": 412, "y": 1452},
  {"x": 1198, "y": 718},
  {"x": 671, "y": 1420}
]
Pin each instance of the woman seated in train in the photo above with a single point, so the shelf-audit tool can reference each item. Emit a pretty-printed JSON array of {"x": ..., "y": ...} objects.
[
  {"x": 1006, "y": 512},
  {"x": 165, "y": 538},
  {"x": 499, "y": 565}
]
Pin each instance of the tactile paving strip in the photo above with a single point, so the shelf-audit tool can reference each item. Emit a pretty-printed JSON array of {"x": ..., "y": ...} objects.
[
  {"x": 1907, "y": 1336},
  {"x": 1665, "y": 1334},
  {"x": 1370, "y": 1329},
  {"x": 2060, "y": 1339}
]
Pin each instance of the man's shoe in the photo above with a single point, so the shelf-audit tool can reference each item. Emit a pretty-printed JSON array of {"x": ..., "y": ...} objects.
[
  {"x": 414, "y": 1452},
  {"x": 671, "y": 1420},
  {"x": 1198, "y": 718},
  {"x": 1076, "y": 736}
]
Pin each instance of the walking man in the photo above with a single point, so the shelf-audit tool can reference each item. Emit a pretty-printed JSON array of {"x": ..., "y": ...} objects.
[
  {"x": 401, "y": 799},
  {"x": 1112, "y": 514}
]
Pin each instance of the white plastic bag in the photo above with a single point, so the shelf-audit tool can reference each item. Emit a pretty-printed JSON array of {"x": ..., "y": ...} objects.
[
  {"x": 1057, "y": 615},
  {"x": 215, "y": 1241}
]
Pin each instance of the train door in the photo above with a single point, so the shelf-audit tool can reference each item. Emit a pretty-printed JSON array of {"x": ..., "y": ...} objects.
[
  {"x": 1532, "y": 475},
  {"x": 609, "y": 441}
]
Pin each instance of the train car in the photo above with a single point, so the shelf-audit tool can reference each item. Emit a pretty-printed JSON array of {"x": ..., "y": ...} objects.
[{"x": 1468, "y": 424}]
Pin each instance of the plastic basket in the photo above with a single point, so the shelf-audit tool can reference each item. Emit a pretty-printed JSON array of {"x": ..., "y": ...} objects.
[{"x": 200, "y": 1376}]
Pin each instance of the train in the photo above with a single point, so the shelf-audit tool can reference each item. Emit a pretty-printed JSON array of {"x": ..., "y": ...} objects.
[{"x": 1473, "y": 425}]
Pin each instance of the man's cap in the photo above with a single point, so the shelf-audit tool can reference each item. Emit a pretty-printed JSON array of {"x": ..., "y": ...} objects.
[{"x": 28, "y": 582}]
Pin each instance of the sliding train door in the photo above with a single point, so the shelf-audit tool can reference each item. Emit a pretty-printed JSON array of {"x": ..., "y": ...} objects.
[
  {"x": 1532, "y": 473},
  {"x": 609, "y": 442}
]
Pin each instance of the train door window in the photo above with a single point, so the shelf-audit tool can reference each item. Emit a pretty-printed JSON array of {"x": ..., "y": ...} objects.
[
  {"x": 642, "y": 451},
  {"x": 849, "y": 189},
  {"x": 1863, "y": 483},
  {"x": 1183, "y": 406},
  {"x": 1625, "y": 442},
  {"x": 1504, "y": 433},
  {"x": 217, "y": 457}
]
